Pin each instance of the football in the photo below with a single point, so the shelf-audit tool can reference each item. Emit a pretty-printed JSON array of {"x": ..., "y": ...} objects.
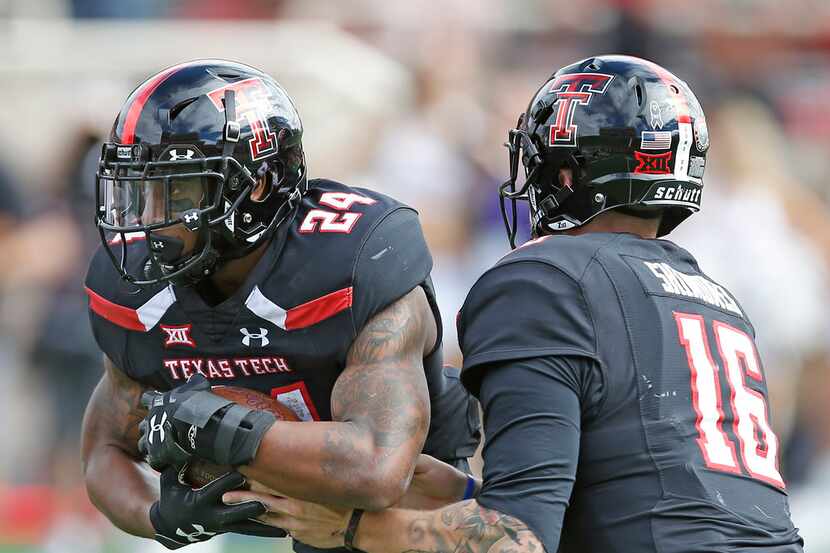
[{"x": 200, "y": 472}]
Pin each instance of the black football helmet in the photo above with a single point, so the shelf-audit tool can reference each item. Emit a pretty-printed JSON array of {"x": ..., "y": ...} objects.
[
  {"x": 633, "y": 134},
  {"x": 188, "y": 147}
]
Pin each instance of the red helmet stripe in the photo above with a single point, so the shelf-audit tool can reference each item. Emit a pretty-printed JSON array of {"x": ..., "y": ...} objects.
[{"x": 143, "y": 94}]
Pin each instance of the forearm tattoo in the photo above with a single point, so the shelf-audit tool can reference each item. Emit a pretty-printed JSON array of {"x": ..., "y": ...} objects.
[
  {"x": 383, "y": 390},
  {"x": 468, "y": 527}
]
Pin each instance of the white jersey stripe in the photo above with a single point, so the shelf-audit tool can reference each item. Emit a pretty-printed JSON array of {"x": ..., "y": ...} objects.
[
  {"x": 154, "y": 309},
  {"x": 264, "y": 308}
]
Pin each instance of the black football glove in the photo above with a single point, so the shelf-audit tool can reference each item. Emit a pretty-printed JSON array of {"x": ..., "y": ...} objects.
[
  {"x": 183, "y": 515},
  {"x": 190, "y": 420}
]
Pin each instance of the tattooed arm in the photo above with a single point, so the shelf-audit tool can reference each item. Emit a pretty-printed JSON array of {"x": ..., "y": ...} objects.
[
  {"x": 461, "y": 527},
  {"x": 464, "y": 527},
  {"x": 380, "y": 410},
  {"x": 118, "y": 482},
  {"x": 532, "y": 422}
]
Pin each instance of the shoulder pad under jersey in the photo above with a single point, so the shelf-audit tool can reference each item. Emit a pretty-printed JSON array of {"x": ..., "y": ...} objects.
[
  {"x": 348, "y": 248},
  {"x": 117, "y": 307}
]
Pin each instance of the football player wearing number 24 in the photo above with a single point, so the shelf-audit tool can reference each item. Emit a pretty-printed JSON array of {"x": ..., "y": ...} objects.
[
  {"x": 222, "y": 264},
  {"x": 625, "y": 404}
]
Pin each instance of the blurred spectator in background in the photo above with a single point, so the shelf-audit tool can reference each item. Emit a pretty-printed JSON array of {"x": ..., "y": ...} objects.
[
  {"x": 63, "y": 353},
  {"x": 105, "y": 9},
  {"x": 808, "y": 498},
  {"x": 777, "y": 270},
  {"x": 36, "y": 249},
  {"x": 11, "y": 216},
  {"x": 422, "y": 159}
]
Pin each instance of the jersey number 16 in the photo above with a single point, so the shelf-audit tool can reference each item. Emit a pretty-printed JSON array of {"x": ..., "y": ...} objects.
[{"x": 757, "y": 442}]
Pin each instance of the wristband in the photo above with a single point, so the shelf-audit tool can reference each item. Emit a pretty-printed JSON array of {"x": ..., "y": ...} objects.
[
  {"x": 470, "y": 490},
  {"x": 351, "y": 530}
]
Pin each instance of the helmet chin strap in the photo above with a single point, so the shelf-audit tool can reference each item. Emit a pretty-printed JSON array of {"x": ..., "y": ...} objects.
[
  {"x": 166, "y": 253},
  {"x": 165, "y": 250}
]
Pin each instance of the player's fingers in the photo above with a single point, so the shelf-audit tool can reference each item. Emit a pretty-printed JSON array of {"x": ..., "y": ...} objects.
[
  {"x": 243, "y": 511},
  {"x": 255, "y": 486},
  {"x": 230, "y": 481},
  {"x": 257, "y": 527},
  {"x": 280, "y": 520},
  {"x": 240, "y": 496},
  {"x": 273, "y": 503}
]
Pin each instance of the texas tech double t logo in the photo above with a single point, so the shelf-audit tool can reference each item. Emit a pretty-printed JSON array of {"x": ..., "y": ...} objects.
[
  {"x": 572, "y": 90},
  {"x": 252, "y": 104}
]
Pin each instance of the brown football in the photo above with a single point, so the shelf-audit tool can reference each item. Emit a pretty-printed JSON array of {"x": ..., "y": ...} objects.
[{"x": 201, "y": 472}]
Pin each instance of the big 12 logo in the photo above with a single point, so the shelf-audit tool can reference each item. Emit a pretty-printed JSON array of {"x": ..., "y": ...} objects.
[{"x": 572, "y": 90}]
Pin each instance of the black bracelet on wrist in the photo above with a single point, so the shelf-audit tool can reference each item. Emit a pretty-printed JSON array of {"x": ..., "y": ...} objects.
[{"x": 351, "y": 530}]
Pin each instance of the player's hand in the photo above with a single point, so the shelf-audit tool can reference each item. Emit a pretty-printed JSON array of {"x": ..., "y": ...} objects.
[
  {"x": 321, "y": 526},
  {"x": 158, "y": 440},
  {"x": 191, "y": 421},
  {"x": 435, "y": 484},
  {"x": 183, "y": 515}
]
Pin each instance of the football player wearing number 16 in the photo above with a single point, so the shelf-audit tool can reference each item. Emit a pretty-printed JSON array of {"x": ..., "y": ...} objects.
[
  {"x": 222, "y": 264},
  {"x": 625, "y": 407}
]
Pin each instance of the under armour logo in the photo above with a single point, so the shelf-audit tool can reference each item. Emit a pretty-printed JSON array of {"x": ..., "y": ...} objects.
[
  {"x": 191, "y": 217},
  {"x": 158, "y": 245},
  {"x": 193, "y": 537},
  {"x": 248, "y": 336},
  {"x": 175, "y": 155},
  {"x": 157, "y": 428}
]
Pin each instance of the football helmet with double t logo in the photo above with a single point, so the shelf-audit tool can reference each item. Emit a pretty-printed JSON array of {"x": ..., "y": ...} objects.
[
  {"x": 632, "y": 133},
  {"x": 189, "y": 146}
]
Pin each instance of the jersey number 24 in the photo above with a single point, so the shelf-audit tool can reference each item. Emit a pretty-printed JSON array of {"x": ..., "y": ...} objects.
[
  {"x": 757, "y": 443},
  {"x": 321, "y": 220}
]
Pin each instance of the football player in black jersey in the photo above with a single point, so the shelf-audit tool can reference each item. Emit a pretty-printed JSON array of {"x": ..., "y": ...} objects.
[
  {"x": 625, "y": 406},
  {"x": 222, "y": 264}
]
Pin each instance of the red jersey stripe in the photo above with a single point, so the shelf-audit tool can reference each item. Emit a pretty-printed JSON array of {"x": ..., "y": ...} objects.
[
  {"x": 315, "y": 311},
  {"x": 131, "y": 120},
  {"x": 114, "y": 313}
]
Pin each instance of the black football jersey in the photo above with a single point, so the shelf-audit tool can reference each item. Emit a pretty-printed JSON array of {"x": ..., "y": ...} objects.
[
  {"x": 346, "y": 255},
  {"x": 654, "y": 433}
]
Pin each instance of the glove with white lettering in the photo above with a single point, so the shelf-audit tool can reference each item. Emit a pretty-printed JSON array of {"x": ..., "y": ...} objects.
[
  {"x": 183, "y": 515},
  {"x": 191, "y": 421}
]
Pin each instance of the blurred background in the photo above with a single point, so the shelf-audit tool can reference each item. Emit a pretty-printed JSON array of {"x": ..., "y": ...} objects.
[{"x": 413, "y": 99}]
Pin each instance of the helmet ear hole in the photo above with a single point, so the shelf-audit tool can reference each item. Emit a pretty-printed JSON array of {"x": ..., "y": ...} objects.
[
  {"x": 261, "y": 191},
  {"x": 639, "y": 91},
  {"x": 265, "y": 185},
  {"x": 565, "y": 176}
]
